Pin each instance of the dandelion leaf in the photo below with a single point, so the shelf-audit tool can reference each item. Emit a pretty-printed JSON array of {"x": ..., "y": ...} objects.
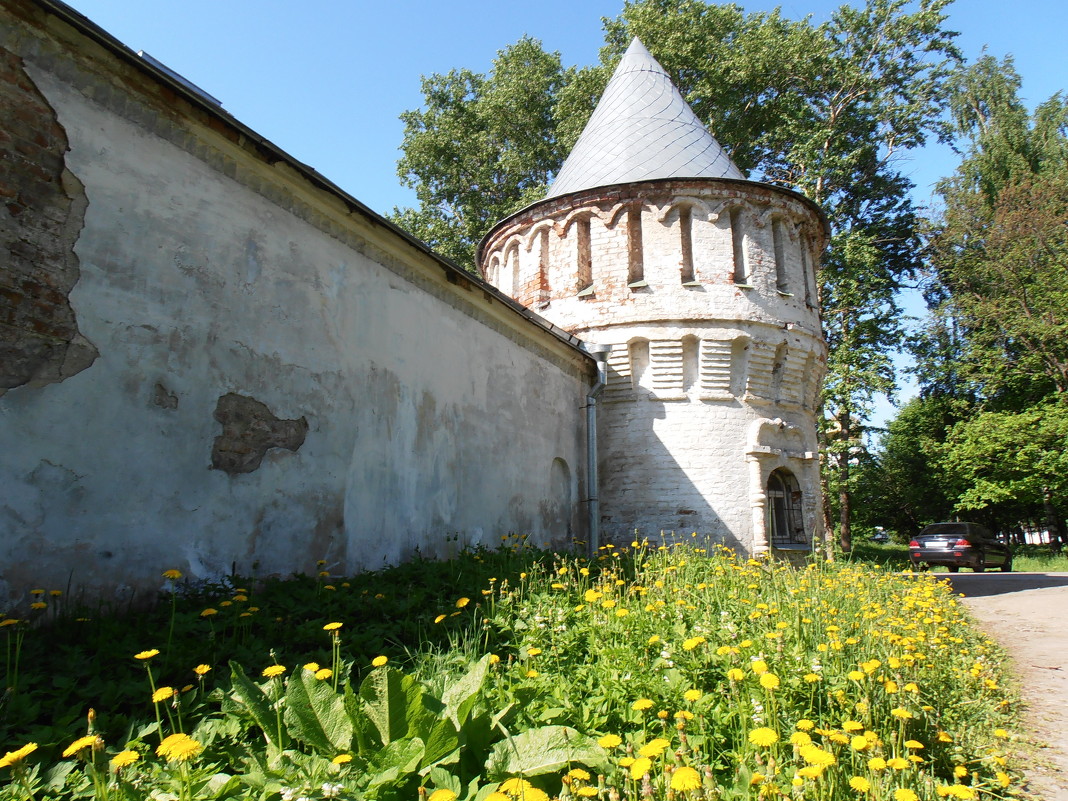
[
  {"x": 255, "y": 702},
  {"x": 544, "y": 750},
  {"x": 460, "y": 698},
  {"x": 316, "y": 715},
  {"x": 388, "y": 697},
  {"x": 396, "y": 762}
]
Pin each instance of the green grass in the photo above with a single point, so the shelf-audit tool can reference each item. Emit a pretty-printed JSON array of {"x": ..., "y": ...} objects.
[{"x": 608, "y": 679}]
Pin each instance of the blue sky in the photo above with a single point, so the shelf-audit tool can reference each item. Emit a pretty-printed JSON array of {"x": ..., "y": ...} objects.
[{"x": 325, "y": 80}]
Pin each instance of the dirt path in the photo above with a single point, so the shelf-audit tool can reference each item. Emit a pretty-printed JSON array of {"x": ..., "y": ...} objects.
[{"x": 1027, "y": 613}]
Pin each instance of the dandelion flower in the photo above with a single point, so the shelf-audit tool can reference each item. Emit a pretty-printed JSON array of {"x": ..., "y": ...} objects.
[
  {"x": 311, "y": 666},
  {"x": 692, "y": 695},
  {"x": 578, "y": 773},
  {"x": 533, "y": 651},
  {"x": 172, "y": 574},
  {"x": 811, "y": 678},
  {"x": 584, "y": 792},
  {"x": 763, "y": 737},
  {"x": 147, "y": 654},
  {"x": 860, "y": 784},
  {"x": 654, "y": 748},
  {"x": 904, "y": 794},
  {"x": 444, "y": 794},
  {"x": 901, "y": 714},
  {"x": 37, "y": 592},
  {"x": 11, "y": 621},
  {"x": 735, "y": 674},
  {"x": 877, "y": 764},
  {"x": 209, "y": 612},
  {"x": 440, "y": 618},
  {"x": 124, "y": 759},
  {"x": 332, "y": 626},
  {"x": 462, "y": 602},
  {"x": 179, "y": 748},
  {"x": 916, "y": 744},
  {"x": 897, "y": 763},
  {"x": 79, "y": 744},
  {"x": 162, "y": 694},
  {"x": 641, "y": 705},
  {"x": 804, "y": 725},
  {"x": 759, "y": 666},
  {"x": 342, "y": 759},
  {"x": 852, "y": 726},
  {"x": 1001, "y": 734},
  {"x": 814, "y": 755},
  {"x": 522, "y": 790},
  {"x": 38, "y": 605},
  {"x": 274, "y": 671},
  {"x": 379, "y": 661},
  {"x": 19, "y": 754},
  {"x": 323, "y": 674},
  {"x": 769, "y": 681},
  {"x": 799, "y": 738},
  {"x": 200, "y": 670},
  {"x": 609, "y": 741},
  {"x": 639, "y": 767},
  {"x": 685, "y": 779},
  {"x": 692, "y": 643}
]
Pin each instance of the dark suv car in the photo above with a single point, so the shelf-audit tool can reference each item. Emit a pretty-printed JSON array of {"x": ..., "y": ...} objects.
[{"x": 958, "y": 545}]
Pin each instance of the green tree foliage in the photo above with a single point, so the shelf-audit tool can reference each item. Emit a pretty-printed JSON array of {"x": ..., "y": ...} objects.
[
  {"x": 997, "y": 344},
  {"x": 484, "y": 146}
]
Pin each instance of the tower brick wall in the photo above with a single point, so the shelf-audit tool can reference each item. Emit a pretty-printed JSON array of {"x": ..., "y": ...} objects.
[{"x": 706, "y": 291}]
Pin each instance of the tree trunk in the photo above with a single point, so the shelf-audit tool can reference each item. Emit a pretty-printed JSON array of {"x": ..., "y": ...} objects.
[{"x": 845, "y": 535}]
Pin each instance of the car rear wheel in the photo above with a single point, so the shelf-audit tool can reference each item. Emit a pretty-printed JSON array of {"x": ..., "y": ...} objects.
[
  {"x": 980, "y": 566},
  {"x": 1006, "y": 566}
]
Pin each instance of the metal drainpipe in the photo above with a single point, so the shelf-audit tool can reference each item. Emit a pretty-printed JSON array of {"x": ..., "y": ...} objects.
[{"x": 598, "y": 352}]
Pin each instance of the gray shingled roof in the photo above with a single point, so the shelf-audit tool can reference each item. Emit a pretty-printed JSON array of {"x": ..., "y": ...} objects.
[{"x": 642, "y": 129}]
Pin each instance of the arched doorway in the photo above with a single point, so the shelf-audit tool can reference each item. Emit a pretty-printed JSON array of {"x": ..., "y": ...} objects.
[{"x": 786, "y": 523}]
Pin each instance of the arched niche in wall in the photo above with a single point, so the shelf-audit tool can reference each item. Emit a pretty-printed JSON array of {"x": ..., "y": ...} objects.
[
  {"x": 577, "y": 227},
  {"x": 538, "y": 238},
  {"x": 640, "y": 374},
  {"x": 559, "y": 508},
  {"x": 741, "y": 271},
  {"x": 682, "y": 214},
  {"x": 779, "y": 242}
]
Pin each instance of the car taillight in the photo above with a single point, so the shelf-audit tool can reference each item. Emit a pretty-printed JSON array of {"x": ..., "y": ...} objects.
[
  {"x": 962, "y": 544},
  {"x": 913, "y": 544}
]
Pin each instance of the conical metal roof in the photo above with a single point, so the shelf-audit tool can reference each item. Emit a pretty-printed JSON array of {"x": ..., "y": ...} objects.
[{"x": 642, "y": 129}]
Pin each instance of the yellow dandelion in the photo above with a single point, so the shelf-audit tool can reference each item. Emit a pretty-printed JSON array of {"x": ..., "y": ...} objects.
[
  {"x": 533, "y": 651},
  {"x": 311, "y": 666},
  {"x": 274, "y": 671},
  {"x": 440, "y": 618},
  {"x": 209, "y": 612},
  {"x": 582, "y": 792},
  {"x": 147, "y": 654},
  {"x": 342, "y": 759},
  {"x": 578, "y": 774},
  {"x": 685, "y": 779},
  {"x": 379, "y": 661},
  {"x": 692, "y": 643},
  {"x": 915, "y": 744},
  {"x": 814, "y": 755},
  {"x": 897, "y": 763},
  {"x": 639, "y": 767},
  {"x": 641, "y": 705},
  {"x": 735, "y": 674},
  {"x": 769, "y": 681},
  {"x": 162, "y": 694},
  {"x": 799, "y": 738},
  {"x": 859, "y": 743},
  {"x": 462, "y": 602},
  {"x": 852, "y": 726},
  {"x": 860, "y": 784},
  {"x": 877, "y": 764},
  {"x": 901, "y": 714},
  {"x": 444, "y": 794},
  {"x": 172, "y": 574},
  {"x": 200, "y": 670},
  {"x": 532, "y": 674},
  {"x": 124, "y": 759},
  {"x": 654, "y": 748},
  {"x": 609, "y": 741},
  {"x": 38, "y": 605},
  {"x": 37, "y": 592},
  {"x": 79, "y": 744},
  {"x": 804, "y": 725},
  {"x": 179, "y": 748},
  {"x": 763, "y": 737},
  {"x": 692, "y": 695},
  {"x": 904, "y": 794},
  {"x": 323, "y": 674},
  {"x": 19, "y": 754},
  {"x": 759, "y": 666},
  {"x": 811, "y": 678},
  {"x": 332, "y": 626},
  {"x": 11, "y": 621}
]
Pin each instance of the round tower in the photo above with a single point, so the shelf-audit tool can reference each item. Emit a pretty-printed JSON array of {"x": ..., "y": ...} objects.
[{"x": 703, "y": 284}]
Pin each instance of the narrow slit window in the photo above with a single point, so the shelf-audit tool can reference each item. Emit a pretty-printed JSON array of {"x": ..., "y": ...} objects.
[
  {"x": 639, "y": 363},
  {"x": 806, "y": 271},
  {"x": 543, "y": 264},
  {"x": 741, "y": 273},
  {"x": 635, "y": 253},
  {"x": 778, "y": 242},
  {"x": 686, "y": 234},
  {"x": 585, "y": 256},
  {"x": 690, "y": 364}
]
